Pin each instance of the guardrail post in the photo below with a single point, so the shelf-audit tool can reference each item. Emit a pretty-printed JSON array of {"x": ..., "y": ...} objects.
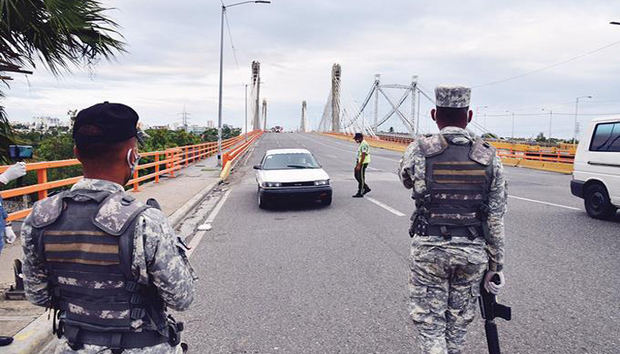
[
  {"x": 135, "y": 184},
  {"x": 157, "y": 168},
  {"x": 42, "y": 178},
  {"x": 186, "y": 155}
]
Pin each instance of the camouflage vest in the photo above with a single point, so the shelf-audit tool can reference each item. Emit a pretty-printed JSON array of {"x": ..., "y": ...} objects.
[
  {"x": 86, "y": 239},
  {"x": 458, "y": 179}
]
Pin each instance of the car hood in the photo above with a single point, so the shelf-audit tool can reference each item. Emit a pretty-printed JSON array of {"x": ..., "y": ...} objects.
[{"x": 294, "y": 175}]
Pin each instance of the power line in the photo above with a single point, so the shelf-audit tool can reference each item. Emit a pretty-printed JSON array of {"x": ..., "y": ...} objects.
[
  {"x": 232, "y": 44},
  {"x": 548, "y": 66},
  {"x": 554, "y": 113}
]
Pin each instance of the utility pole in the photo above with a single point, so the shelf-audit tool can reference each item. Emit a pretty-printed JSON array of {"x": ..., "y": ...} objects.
[
  {"x": 576, "y": 113},
  {"x": 414, "y": 85},
  {"x": 184, "y": 119},
  {"x": 336, "y": 73},
  {"x": 377, "y": 83},
  {"x": 512, "y": 136},
  {"x": 550, "y": 120}
]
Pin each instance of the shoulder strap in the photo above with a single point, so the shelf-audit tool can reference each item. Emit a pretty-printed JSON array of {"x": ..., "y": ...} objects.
[
  {"x": 432, "y": 144},
  {"x": 45, "y": 212},
  {"x": 482, "y": 152},
  {"x": 117, "y": 212}
]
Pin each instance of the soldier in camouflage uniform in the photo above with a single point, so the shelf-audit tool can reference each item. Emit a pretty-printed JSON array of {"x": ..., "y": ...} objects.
[
  {"x": 458, "y": 226},
  {"x": 107, "y": 265}
]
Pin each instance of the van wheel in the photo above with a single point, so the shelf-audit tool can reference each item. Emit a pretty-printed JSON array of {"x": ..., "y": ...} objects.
[{"x": 597, "y": 203}]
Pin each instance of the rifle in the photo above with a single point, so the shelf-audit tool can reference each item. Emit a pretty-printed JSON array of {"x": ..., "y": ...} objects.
[{"x": 490, "y": 309}]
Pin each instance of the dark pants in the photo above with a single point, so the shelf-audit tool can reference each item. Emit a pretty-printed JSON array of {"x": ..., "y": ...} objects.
[{"x": 360, "y": 176}]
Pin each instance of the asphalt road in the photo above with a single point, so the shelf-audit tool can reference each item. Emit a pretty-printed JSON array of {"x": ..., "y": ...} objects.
[{"x": 307, "y": 279}]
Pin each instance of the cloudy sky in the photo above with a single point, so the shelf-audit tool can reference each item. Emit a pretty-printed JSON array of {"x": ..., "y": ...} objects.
[{"x": 173, "y": 53}]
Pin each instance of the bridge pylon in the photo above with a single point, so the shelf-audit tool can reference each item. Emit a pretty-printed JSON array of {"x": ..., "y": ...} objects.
[
  {"x": 256, "y": 95},
  {"x": 264, "y": 112},
  {"x": 335, "y": 97},
  {"x": 303, "y": 127}
]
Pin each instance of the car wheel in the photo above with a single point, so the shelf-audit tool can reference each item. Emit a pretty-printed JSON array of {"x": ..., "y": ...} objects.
[
  {"x": 326, "y": 201},
  {"x": 597, "y": 203},
  {"x": 262, "y": 203}
]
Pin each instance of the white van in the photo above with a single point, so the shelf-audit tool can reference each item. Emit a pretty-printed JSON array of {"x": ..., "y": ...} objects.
[{"x": 596, "y": 175}]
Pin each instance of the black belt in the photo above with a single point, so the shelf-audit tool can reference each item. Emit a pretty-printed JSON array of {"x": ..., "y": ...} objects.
[
  {"x": 121, "y": 340},
  {"x": 470, "y": 232}
]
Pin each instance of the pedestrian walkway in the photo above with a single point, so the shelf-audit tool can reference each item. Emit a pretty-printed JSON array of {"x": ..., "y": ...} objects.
[{"x": 175, "y": 195}]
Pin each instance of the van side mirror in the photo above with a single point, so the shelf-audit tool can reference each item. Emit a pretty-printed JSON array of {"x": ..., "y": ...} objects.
[{"x": 257, "y": 167}]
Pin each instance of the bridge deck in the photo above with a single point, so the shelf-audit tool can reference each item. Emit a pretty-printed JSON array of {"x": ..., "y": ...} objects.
[{"x": 314, "y": 280}]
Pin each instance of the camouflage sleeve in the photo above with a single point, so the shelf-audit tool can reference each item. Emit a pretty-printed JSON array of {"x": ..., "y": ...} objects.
[
  {"x": 498, "y": 197},
  {"x": 404, "y": 168},
  {"x": 160, "y": 259},
  {"x": 35, "y": 275}
]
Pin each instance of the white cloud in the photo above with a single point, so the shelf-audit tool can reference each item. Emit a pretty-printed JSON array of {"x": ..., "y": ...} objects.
[{"x": 174, "y": 53}]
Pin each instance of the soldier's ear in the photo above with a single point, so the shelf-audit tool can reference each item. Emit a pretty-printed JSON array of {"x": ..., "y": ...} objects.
[
  {"x": 470, "y": 115},
  {"x": 433, "y": 111}
]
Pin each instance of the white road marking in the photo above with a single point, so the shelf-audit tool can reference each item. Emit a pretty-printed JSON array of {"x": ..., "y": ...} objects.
[
  {"x": 386, "y": 207},
  {"x": 373, "y": 169},
  {"x": 543, "y": 202},
  {"x": 199, "y": 235}
]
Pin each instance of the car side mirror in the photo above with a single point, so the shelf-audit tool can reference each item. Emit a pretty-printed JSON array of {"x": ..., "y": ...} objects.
[{"x": 257, "y": 167}]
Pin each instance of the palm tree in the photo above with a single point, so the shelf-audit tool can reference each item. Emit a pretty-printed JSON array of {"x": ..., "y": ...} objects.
[{"x": 59, "y": 33}]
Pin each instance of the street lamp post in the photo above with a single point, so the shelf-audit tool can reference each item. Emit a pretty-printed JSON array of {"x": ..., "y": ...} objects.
[
  {"x": 576, "y": 113},
  {"x": 246, "y": 112},
  {"x": 550, "y": 120},
  {"x": 513, "y": 125},
  {"x": 219, "y": 103}
]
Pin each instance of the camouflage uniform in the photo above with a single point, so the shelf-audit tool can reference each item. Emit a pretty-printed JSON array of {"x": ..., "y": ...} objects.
[
  {"x": 446, "y": 274},
  {"x": 156, "y": 259}
]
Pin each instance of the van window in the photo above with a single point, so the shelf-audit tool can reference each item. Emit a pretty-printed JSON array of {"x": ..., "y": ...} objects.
[{"x": 606, "y": 137}]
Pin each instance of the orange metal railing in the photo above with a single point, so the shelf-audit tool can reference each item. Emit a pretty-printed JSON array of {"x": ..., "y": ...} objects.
[
  {"x": 166, "y": 162},
  {"x": 565, "y": 153},
  {"x": 233, "y": 154}
]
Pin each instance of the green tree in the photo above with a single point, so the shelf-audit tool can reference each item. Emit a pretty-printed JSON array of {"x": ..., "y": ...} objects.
[
  {"x": 541, "y": 137},
  {"x": 57, "y": 32}
]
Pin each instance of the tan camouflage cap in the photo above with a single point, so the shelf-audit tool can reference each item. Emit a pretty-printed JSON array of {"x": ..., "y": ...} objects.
[{"x": 452, "y": 96}]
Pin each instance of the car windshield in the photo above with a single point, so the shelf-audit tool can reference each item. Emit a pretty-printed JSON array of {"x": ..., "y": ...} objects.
[{"x": 289, "y": 161}]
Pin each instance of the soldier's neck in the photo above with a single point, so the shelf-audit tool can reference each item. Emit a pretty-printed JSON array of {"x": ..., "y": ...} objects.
[{"x": 116, "y": 177}]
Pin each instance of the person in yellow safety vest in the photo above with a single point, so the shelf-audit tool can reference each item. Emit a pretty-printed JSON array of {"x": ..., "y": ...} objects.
[{"x": 361, "y": 163}]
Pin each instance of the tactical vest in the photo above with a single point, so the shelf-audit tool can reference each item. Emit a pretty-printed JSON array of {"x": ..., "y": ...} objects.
[
  {"x": 86, "y": 239},
  {"x": 458, "y": 179}
]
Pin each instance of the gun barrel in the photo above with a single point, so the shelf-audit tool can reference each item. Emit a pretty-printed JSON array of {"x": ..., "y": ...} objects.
[{"x": 490, "y": 328}]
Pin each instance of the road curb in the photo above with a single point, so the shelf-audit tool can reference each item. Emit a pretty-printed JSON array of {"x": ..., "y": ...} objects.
[
  {"x": 35, "y": 336},
  {"x": 177, "y": 216},
  {"x": 32, "y": 338}
]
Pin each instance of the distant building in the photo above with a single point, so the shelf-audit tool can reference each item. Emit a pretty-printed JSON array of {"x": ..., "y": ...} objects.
[
  {"x": 210, "y": 124},
  {"x": 45, "y": 123},
  {"x": 160, "y": 127},
  {"x": 196, "y": 129}
]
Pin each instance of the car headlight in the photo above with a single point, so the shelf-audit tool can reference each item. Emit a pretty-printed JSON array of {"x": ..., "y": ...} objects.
[
  {"x": 272, "y": 184},
  {"x": 323, "y": 182}
]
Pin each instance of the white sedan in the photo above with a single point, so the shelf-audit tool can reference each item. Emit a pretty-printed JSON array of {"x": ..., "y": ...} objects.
[{"x": 291, "y": 174}]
